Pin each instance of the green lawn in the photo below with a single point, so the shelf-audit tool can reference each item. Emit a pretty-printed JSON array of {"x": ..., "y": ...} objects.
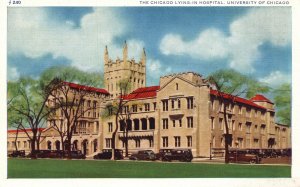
[{"x": 44, "y": 168}]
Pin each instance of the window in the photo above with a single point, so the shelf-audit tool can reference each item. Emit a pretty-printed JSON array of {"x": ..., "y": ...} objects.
[
  {"x": 147, "y": 107},
  {"x": 180, "y": 123},
  {"x": 255, "y": 128},
  {"x": 134, "y": 108},
  {"x": 240, "y": 109},
  {"x": 222, "y": 141},
  {"x": 176, "y": 86},
  {"x": 108, "y": 142},
  {"x": 190, "y": 104},
  {"x": 110, "y": 127},
  {"x": 248, "y": 112},
  {"x": 240, "y": 143},
  {"x": 221, "y": 106},
  {"x": 190, "y": 122},
  {"x": 240, "y": 126},
  {"x": 165, "y": 123},
  {"x": 262, "y": 129},
  {"x": 221, "y": 123},
  {"x": 248, "y": 127},
  {"x": 233, "y": 125},
  {"x": 165, "y": 141},
  {"x": 151, "y": 142},
  {"x": 174, "y": 123},
  {"x": 82, "y": 127},
  {"x": 137, "y": 143},
  {"x": 212, "y": 123},
  {"x": 154, "y": 106},
  {"x": 177, "y": 141},
  {"x": 165, "y": 105},
  {"x": 126, "y": 109},
  {"x": 189, "y": 141},
  {"x": 172, "y": 103},
  {"x": 178, "y": 103},
  {"x": 25, "y": 144}
]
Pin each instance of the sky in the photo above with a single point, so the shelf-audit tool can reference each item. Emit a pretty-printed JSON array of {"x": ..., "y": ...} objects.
[{"x": 254, "y": 41}]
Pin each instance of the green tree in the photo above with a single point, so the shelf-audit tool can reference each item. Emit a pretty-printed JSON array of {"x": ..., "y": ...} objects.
[
  {"x": 69, "y": 102},
  {"x": 282, "y": 99},
  {"x": 27, "y": 109},
  {"x": 121, "y": 112},
  {"x": 230, "y": 84}
]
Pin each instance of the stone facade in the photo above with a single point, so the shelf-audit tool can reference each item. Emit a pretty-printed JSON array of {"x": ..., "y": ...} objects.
[{"x": 182, "y": 112}]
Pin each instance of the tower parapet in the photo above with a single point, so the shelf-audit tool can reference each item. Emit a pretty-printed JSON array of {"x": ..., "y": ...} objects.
[{"x": 124, "y": 69}]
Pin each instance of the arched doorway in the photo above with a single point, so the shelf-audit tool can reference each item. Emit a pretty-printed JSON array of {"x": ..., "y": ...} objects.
[
  {"x": 85, "y": 146},
  {"x": 75, "y": 145},
  {"x": 57, "y": 145},
  {"x": 49, "y": 145},
  {"x": 66, "y": 145}
]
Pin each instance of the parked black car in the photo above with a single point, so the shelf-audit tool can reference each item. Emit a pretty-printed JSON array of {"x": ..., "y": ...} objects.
[
  {"x": 75, "y": 154},
  {"x": 20, "y": 153},
  {"x": 162, "y": 153},
  {"x": 38, "y": 154},
  {"x": 107, "y": 154},
  {"x": 184, "y": 155},
  {"x": 143, "y": 155}
]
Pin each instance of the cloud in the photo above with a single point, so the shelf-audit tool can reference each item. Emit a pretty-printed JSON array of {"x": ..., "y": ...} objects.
[
  {"x": 276, "y": 78},
  {"x": 12, "y": 73},
  {"x": 155, "y": 69},
  {"x": 32, "y": 32},
  {"x": 241, "y": 46}
]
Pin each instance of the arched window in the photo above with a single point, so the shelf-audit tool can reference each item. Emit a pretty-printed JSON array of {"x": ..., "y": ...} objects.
[
  {"x": 122, "y": 125},
  {"x": 49, "y": 145},
  {"x": 136, "y": 124},
  {"x": 152, "y": 123},
  {"x": 144, "y": 123}
]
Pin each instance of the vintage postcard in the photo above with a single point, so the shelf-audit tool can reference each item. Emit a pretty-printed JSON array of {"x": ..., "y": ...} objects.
[{"x": 190, "y": 90}]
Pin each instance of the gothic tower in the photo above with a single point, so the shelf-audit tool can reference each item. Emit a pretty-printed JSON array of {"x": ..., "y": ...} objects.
[{"x": 124, "y": 69}]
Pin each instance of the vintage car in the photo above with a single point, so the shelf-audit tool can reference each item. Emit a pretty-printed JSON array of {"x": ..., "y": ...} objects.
[
  {"x": 161, "y": 153},
  {"x": 107, "y": 154},
  {"x": 184, "y": 155},
  {"x": 20, "y": 153},
  {"x": 143, "y": 155},
  {"x": 38, "y": 154},
  {"x": 243, "y": 157},
  {"x": 75, "y": 155}
]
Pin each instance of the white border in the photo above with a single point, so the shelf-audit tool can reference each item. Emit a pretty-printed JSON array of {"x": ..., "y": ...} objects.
[{"x": 294, "y": 181}]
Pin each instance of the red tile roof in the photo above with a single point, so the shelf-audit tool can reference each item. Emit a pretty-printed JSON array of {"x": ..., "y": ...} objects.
[
  {"x": 21, "y": 130},
  {"x": 88, "y": 88},
  {"x": 259, "y": 98},
  {"x": 141, "y": 93},
  {"x": 236, "y": 99}
]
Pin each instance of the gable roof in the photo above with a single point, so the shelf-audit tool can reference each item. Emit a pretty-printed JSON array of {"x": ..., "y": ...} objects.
[
  {"x": 88, "y": 88},
  {"x": 141, "y": 93},
  {"x": 260, "y": 98},
  {"x": 21, "y": 130},
  {"x": 236, "y": 99}
]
